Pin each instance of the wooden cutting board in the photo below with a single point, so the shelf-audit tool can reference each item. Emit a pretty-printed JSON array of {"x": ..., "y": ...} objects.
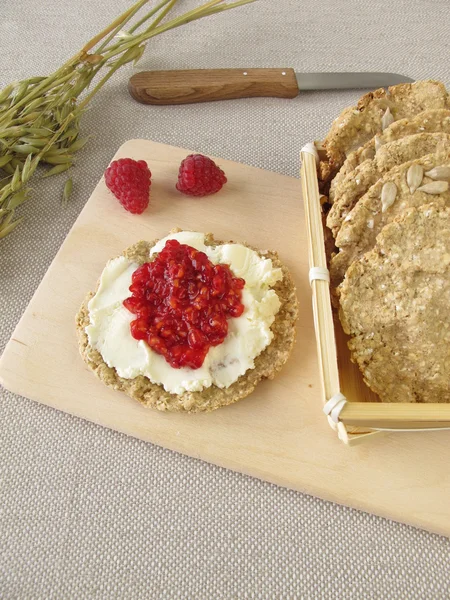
[{"x": 278, "y": 434}]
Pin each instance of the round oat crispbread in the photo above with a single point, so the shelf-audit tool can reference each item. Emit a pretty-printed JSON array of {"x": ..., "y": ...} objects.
[
  {"x": 428, "y": 121},
  {"x": 356, "y": 125},
  {"x": 359, "y": 230},
  {"x": 394, "y": 305},
  {"x": 267, "y": 364},
  {"x": 391, "y": 155}
]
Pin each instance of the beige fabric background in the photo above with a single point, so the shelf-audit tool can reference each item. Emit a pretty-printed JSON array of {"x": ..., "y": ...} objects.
[{"x": 89, "y": 513}]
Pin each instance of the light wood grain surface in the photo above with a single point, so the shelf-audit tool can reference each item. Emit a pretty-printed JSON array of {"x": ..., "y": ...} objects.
[{"x": 278, "y": 434}]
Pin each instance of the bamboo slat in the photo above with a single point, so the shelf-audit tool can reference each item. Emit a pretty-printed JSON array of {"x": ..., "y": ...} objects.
[
  {"x": 323, "y": 317},
  {"x": 396, "y": 415}
]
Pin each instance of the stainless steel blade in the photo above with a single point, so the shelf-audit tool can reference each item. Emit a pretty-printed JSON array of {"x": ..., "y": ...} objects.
[{"x": 344, "y": 81}]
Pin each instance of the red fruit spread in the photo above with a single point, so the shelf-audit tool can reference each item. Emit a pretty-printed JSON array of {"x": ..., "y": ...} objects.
[{"x": 182, "y": 302}]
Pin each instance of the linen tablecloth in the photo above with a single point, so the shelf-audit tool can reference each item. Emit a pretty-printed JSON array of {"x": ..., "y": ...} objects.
[{"x": 90, "y": 513}]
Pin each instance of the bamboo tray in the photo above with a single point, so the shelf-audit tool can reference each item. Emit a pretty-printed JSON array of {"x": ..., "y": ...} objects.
[{"x": 353, "y": 410}]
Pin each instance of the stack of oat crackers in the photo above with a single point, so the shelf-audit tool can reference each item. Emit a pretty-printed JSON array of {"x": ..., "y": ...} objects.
[{"x": 386, "y": 170}]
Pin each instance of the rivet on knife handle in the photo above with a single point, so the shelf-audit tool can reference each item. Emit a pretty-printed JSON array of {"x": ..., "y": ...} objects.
[{"x": 205, "y": 85}]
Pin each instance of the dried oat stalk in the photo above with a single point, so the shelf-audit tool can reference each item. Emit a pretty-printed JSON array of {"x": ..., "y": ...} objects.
[{"x": 39, "y": 117}]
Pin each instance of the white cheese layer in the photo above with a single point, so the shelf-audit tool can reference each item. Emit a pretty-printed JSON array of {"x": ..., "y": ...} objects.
[{"x": 248, "y": 335}]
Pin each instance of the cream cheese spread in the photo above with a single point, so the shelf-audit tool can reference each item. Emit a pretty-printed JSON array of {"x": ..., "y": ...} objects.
[{"x": 248, "y": 335}]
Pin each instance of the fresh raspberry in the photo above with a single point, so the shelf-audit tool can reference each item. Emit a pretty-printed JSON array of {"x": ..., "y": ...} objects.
[
  {"x": 129, "y": 181},
  {"x": 199, "y": 176}
]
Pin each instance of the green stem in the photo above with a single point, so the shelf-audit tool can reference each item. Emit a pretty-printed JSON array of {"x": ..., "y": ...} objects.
[
  {"x": 217, "y": 9},
  {"x": 196, "y": 13},
  {"x": 138, "y": 24},
  {"x": 162, "y": 14},
  {"x": 112, "y": 26},
  {"x": 100, "y": 84},
  {"x": 115, "y": 31},
  {"x": 147, "y": 16}
]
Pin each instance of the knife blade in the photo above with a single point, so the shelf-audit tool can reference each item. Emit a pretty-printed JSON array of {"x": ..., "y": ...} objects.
[
  {"x": 206, "y": 85},
  {"x": 346, "y": 81}
]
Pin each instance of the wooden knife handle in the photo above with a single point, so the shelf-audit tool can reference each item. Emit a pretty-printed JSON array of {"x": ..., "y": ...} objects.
[{"x": 205, "y": 85}]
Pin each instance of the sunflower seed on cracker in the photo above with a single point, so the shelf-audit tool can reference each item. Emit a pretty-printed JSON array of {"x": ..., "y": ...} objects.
[
  {"x": 435, "y": 187},
  {"x": 414, "y": 177},
  {"x": 441, "y": 173},
  {"x": 388, "y": 195},
  {"x": 387, "y": 119},
  {"x": 378, "y": 143}
]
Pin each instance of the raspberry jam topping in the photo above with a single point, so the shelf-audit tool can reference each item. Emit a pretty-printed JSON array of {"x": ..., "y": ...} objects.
[{"x": 182, "y": 302}]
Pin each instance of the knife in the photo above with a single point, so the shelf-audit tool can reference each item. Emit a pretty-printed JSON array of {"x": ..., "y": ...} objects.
[{"x": 205, "y": 85}]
